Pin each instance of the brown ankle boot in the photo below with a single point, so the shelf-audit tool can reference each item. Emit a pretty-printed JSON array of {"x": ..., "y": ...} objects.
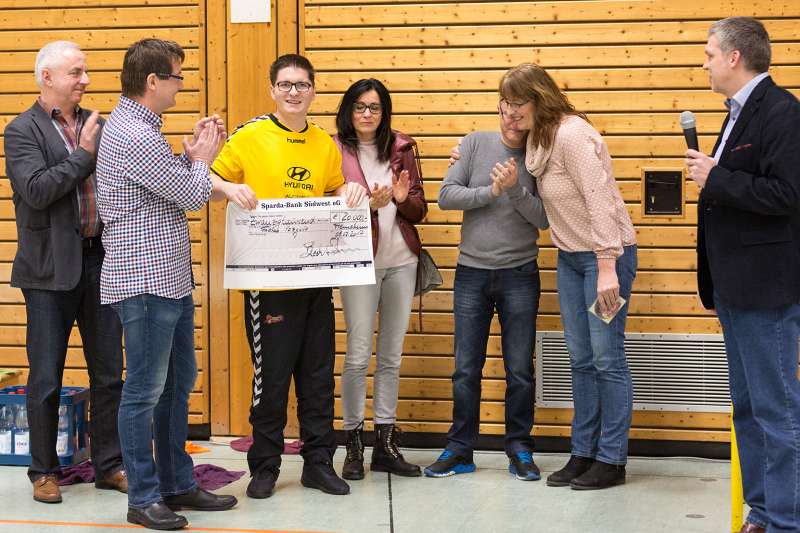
[{"x": 45, "y": 489}]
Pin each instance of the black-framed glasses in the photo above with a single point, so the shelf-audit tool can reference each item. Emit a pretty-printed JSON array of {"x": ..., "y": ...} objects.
[
  {"x": 164, "y": 76},
  {"x": 361, "y": 108},
  {"x": 506, "y": 106},
  {"x": 300, "y": 86}
]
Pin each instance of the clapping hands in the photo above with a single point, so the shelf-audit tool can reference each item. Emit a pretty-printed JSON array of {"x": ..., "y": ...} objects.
[{"x": 207, "y": 140}]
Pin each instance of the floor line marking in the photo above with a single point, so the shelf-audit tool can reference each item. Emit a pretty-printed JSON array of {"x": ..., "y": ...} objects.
[
  {"x": 134, "y": 526},
  {"x": 391, "y": 507}
]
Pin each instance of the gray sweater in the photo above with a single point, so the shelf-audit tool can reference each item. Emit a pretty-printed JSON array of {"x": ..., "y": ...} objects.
[{"x": 497, "y": 232}]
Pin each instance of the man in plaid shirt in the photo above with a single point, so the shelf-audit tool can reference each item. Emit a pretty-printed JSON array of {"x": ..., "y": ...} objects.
[{"x": 144, "y": 192}]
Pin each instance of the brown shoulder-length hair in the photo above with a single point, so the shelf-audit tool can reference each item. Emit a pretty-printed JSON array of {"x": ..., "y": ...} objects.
[{"x": 531, "y": 83}]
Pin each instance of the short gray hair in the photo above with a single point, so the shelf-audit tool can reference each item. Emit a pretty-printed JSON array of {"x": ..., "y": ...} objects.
[
  {"x": 50, "y": 55},
  {"x": 748, "y": 36}
]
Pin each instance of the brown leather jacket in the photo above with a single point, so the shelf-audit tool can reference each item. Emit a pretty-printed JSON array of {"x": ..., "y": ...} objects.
[{"x": 413, "y": 210}]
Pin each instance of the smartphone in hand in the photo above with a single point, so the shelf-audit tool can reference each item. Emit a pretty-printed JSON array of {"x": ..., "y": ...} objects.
[{"x": 607, "y": 318}]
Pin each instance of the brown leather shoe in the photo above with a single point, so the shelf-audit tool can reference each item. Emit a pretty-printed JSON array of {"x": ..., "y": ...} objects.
[
  {"x": 116, "y": 481},
  {"x": 45, "y": 489},
  {"x": 750, "y": 527}
]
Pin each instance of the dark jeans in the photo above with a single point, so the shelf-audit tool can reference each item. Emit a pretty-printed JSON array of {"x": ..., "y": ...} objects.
[
  {"x": 51, "y": 315},
  {"x": 161, "y": 372},
  {"x": 761, "y": 345},
  {"x": 515, "y": 294},
  {"x": 291, "y": 334}
]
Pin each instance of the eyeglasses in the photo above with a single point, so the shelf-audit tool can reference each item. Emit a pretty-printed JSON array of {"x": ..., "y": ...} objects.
[
  {"x": 506, "y": 106},
  {"x": 300, "y": 86},
  {"x": 361, "y": 108},
  {"x": 164, "y": 76}
]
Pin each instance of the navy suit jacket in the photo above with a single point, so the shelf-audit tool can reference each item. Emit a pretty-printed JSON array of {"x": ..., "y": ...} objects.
[
  {"x": 44, "y": 176},
  {"x": 748, "y": 238}
]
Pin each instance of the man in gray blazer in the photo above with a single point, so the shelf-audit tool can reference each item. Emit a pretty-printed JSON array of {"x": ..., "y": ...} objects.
[{"x": 50, "y": 158}]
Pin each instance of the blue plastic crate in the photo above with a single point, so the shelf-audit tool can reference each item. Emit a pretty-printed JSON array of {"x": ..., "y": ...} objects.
[{"x": 76, "y": 400}]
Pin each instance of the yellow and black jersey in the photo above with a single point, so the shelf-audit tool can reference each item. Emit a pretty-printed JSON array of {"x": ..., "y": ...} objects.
[{"x": 277, "y": 162}]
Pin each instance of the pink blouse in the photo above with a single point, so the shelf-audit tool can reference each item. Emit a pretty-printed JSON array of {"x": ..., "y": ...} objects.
[{"x": 580, "y": 195}]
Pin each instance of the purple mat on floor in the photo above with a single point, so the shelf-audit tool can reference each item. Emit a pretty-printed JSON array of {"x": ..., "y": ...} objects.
[
  {"x": 79, "y": 473},
  {"x": 289, "y": 448},
  {"x": 212, "y": 477},
  {"x": 208, "y": 477}
]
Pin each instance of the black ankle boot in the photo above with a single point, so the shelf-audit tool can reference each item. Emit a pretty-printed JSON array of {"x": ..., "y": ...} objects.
[
  {"x": 354, "y": 461},
  {"x": 386, "y": 457},
  {"x": 574, "y": 468},
  {"x": 600, "y": 476}
]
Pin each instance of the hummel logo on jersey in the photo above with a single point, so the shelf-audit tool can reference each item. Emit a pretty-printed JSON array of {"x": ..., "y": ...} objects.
[
  {"x": 298, "y": 173},
  {"x": 295, "y": 141}
]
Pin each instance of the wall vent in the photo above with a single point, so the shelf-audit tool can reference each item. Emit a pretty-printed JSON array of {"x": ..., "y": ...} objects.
[{"x": 670, "y": 372}]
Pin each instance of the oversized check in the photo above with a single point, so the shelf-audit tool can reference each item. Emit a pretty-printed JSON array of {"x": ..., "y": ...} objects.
[{"x": 298, "y": 242}]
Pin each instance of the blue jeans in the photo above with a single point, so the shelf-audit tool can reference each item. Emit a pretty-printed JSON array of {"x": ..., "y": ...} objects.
[
  {"x": 161, "y": 372},
  {"x": 515, "y": 294},
  {"x": 761, "y": 346},
  {"x": 602, "y": 391}
]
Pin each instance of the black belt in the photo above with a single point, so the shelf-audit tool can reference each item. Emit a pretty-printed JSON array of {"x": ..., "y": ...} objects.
[{"x": 91, "y": 242}]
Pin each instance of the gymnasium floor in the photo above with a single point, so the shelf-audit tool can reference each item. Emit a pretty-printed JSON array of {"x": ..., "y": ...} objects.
[{"x": 661, "y": 495}]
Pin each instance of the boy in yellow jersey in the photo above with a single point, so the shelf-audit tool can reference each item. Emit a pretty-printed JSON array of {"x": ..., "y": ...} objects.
[{"x": 291, "y": 332}]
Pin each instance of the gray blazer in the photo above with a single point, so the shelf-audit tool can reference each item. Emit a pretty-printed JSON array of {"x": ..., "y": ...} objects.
[{"x": 44, "y": 176}]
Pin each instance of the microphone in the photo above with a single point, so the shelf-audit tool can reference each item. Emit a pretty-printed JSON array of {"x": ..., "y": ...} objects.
[{"x": 689, "y": 125}]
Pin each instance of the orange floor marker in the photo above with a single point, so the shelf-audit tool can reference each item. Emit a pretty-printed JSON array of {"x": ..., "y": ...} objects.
[{"x": 133, "y": 526}]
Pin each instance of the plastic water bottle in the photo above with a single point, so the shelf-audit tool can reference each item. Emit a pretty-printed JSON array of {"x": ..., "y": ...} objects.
[
  {"x": 21, "y": 432},
  {"x": 62, "y": 442},
  {"x": 6, "y": 427}
]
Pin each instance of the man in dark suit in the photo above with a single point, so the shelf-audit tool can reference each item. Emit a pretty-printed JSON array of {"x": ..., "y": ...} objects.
[
  {"x": 50, "y": 159},
  {"x": 748, "y": 245}
]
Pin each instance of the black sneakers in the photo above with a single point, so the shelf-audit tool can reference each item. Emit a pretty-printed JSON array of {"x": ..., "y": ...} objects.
[
  {"x": 600, "y": 476},
  {"x": 522, "y": 467},
  {"x": 574, "y": 468},
  {"x": 262, "y": 485},
  {"x": 449, "y": 464},
  {"x": 323, "y": 477}
]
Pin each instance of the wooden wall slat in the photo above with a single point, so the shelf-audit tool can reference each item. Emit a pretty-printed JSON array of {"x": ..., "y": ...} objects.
[
  {"x": 525, "y": 34},
  {"x": 96, "y": 59},
  {"x": 97, "y": 39},
  {"x": 554, "y": 56},
  {"x": 20, "y": 4},
  {"x": 581, "y": 78},
  {"x": 401, "y": 13},
  {"x": 98, "y": 17}
]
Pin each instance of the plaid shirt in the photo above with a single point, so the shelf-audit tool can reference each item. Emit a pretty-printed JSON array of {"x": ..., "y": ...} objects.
[
  {"x": 87, "y": 190},
  {"x": 143, "y": 191}
]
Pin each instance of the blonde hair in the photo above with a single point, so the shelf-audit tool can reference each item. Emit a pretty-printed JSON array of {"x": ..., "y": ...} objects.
[{"x": 531, "y": 83}]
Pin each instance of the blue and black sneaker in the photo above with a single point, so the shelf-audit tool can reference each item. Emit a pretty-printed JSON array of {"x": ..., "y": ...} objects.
[
  {"x": 521, "y": 465},
  {"x": 449, "y": 464}
]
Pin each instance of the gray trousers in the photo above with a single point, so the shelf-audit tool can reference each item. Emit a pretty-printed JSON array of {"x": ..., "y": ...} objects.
[{"x": 392, "y": 295}]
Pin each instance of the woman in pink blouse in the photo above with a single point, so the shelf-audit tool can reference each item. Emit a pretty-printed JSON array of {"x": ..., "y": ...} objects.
[{"x": 596, "y": 263}]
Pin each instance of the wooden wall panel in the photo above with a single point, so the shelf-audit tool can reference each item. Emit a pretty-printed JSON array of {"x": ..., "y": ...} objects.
[
  {"x": 104, "y": 29},
  {"x": 632, "y": 65}
]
